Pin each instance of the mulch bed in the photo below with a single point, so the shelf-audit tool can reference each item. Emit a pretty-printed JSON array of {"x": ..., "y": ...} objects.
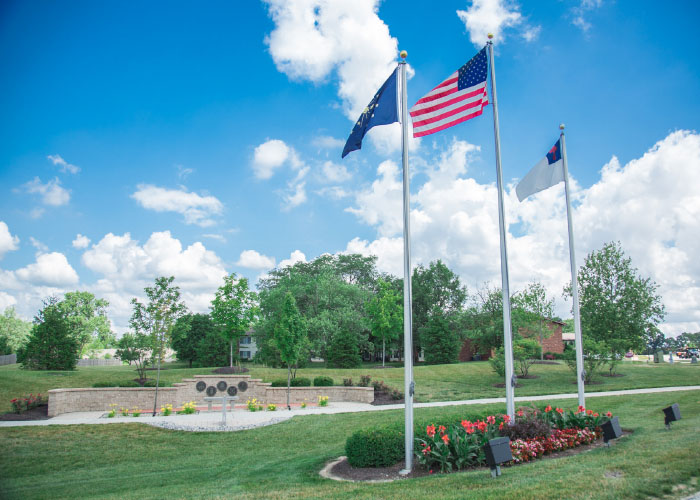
[
  {"x": 613, "y": 375},
  {"x": 41, "y": 412},
  {"x": 592, "y": 382},
  {"x": 502, "y": 385},
  {"x": 228, "y": 370},
  {"x": 547, "y": 363},
  {"x": 384, "y": 398},
  {"x": 530, "y": 376},
  {"x": 345, "y": 471}
]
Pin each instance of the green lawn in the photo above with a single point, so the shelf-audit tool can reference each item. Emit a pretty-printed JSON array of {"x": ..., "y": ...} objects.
[
  {"x": 433, "y": 383},
  {"x": 282, "y": 461}
]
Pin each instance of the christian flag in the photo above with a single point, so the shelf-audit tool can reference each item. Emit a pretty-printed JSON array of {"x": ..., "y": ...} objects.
[
  {"x": 461, "y": 97},
  {"x": 548, "y": 172}
]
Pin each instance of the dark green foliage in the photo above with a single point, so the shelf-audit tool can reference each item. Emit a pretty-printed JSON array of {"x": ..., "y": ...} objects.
[
  {"x": 51, "y": 345},
  {"x": 211, "y": 350},
  {"x": 124, "y": 383},
  {"x": 616, "y": 303},
  {"x": 347, "y": 382},
  {"x": 188, "y": 331},
  {"x": 323, "y": 381},
  {"x": 279, "y": 382},
  {"x": 498, "y": 362},
  {"x": 594, "y": 357},
  {"x": 300, "y": 382},
  {"x": 344, "y": 351},
  {"x": 434, "y": 287},
  {"x": 364, "y": 380},
  {"x": 525, "y": 353},
  {"x": 439, "y": 341},
  {"x": 5, "y": 346},
  {"x": 379, "y": 447}
]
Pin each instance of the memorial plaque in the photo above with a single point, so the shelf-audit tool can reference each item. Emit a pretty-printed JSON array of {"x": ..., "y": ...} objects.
[
  {"x": 242, "y": 386},
  {"x": 232, "y": 391},
  {"x": 211, "y": 390},
  {"x": 221, "y": 386},
  {"x": 201, "y": 385}
]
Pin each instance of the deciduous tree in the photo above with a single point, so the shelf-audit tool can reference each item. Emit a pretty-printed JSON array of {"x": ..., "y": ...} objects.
[
  {"x": 234, "y": 309},
  {"x": 385, "y": 314},
  {"x": 290, "y": 336}
]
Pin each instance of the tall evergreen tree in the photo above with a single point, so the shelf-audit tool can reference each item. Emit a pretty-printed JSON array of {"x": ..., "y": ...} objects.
[{"x": 51, "y": 345}]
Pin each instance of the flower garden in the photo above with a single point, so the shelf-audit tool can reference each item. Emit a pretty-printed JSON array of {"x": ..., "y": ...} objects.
[
  {"x": 533, "y": 434},
  {"x": 452, "y": 446}
]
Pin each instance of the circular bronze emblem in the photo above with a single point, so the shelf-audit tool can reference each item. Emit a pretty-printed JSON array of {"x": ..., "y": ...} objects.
[
  {"x": 232, "y": 391},
  {"x": 242, "y": 386},
  {"x": 211, "y": 390},
  {"x": 221, "y": 386},
  {"x": 201, "y": 385}
]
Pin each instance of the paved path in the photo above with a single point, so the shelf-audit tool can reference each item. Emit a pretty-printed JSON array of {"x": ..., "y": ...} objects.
[{"x": 243, "y": 419}]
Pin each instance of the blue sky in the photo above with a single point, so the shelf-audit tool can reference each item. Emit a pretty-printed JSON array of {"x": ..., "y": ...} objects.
[{"x": 197, "y": 139}]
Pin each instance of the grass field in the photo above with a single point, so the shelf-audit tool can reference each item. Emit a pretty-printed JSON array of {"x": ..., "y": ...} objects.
[
  {"x": 283, "y": 460},
  {"x": 433, "y": 383}
]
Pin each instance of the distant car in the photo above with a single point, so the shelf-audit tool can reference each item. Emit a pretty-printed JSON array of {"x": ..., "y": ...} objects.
[
  {"x": 629, "y": 354},
  {"x": 688, "y": 353}
]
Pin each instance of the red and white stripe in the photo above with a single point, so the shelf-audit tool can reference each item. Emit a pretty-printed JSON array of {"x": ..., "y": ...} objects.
[{"x": 445, "y": 106}]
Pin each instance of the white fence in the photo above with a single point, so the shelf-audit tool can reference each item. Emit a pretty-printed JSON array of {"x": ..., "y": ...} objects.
[{"x": 9, "y": 359}]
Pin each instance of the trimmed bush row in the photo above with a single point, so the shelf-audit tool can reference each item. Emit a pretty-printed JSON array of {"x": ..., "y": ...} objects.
[
  {"x": 322, "y": 381},
  {"x": 130, "y": 383}
]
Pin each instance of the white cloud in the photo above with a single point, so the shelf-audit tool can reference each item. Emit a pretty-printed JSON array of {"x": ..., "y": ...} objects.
[
  {"x": 579, "y": 13},
  {"x": 334, "y": 192},
  {"x": 38, "y": 245},
  {"x": 52, "y": 193},
  {"x": 650, "y": 205},
  {"x": 80, "y": 242},
  {"x": 334, "y": 173},
  {"x": 268, "y": 157},
  {"x": 381, "y": 204},
  {"x": 217, "y": 237},
  {"x": 36, "y": 212},
  {"x": 8, "y": 243},
  {"x": 50, "y": 269},
  {"x": 183, "y": 173},
  {"x": 494, "y": 16},
  {"x": 126, "y": 267},
  {"x": 314, "y": 38},
  {"x": 196, "y": 209},
  {"x": 327, "y": 142},
  {"x": 254, "y": 260},
  {"x": 65, "y": 166},
  {"x": 295, "y": 196},
  {"x": 294, "y": 257}
]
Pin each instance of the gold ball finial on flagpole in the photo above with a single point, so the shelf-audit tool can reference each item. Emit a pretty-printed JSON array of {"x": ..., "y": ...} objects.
[
  {"x": 403, "y": 54},
  {"x": 490, "y": 35},
  {"x": 561, "y": 126}
]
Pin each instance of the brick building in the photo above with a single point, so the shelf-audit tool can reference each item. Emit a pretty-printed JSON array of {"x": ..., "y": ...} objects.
[{"x": 553, "y": 343}]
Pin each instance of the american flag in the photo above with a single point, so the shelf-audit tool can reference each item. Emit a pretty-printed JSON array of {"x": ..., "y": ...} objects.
[{"x": 461, "y": 97}]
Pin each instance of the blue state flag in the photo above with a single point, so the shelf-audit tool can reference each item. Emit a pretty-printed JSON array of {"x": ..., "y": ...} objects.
[
  {"x": 381, "y": 110},
  {"x": 548, "y": 172}
]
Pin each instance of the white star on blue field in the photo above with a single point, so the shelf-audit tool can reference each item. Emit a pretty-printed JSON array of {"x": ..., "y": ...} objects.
[{"x": 195, "y": 140}]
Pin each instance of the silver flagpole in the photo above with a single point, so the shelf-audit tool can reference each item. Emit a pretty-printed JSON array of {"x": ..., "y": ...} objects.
[
  {"x": 580, "y": 373},
  {"x": 407, "y": 298},
  {"x": 507, "y": 333}
]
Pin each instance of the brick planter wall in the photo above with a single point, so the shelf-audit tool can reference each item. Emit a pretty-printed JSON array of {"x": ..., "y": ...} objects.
[{"x": 100, "y": 399}]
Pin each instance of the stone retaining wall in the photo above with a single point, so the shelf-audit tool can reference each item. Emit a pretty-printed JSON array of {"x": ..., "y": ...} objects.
[{"x": 100, "y": 399}]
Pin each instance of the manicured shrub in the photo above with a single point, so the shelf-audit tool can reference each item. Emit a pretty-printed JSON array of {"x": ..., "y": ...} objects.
[
  {"x": 323, "y": 381},
  {"x": 279, "y": 382},
  {"x": 347, "y": 382},
  {"x": 364, "y": 380},
  {"x": 300, "y": 382},
  {"x": 379, "y": 447}
]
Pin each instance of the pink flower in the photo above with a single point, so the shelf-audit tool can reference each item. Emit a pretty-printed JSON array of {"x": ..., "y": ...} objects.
[
  {"x": 560, "y": 411},
  {"x": 430, "y": 430},
  {"x": 491, "y": 419},
  {"x": 581, "y": 409},
  {"x": 506, "y": 418},
  {"x": 609, "y": 414},
  {"x": 445, "y": 438},
  {"x": 441, "y": 429},
  {"x": 548, "y": 409}
]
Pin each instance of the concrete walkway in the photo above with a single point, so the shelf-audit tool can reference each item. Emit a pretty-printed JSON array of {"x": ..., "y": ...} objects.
[{"x": 243, "y": 419}]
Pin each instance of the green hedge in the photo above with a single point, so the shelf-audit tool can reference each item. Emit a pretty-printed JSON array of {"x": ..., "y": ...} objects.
[
  {"x": 295, "y": 382},
  {"x": 131, "y": 383},
  {"x": 379, "y": 447},
  {"x": 323, "y": 381}
]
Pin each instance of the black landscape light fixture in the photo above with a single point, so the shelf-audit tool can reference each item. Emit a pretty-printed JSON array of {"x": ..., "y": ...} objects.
[
  {"x": 497, "y": 452},
  {"x": 611, "y": 430},
  {"x": 672, "y": 413}
]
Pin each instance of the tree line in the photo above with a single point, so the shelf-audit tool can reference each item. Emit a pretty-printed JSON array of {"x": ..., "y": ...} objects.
[{"x": 349, "y": 311}]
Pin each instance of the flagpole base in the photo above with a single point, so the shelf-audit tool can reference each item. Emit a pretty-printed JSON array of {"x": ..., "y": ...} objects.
[{"x": 404, "y": 472}]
